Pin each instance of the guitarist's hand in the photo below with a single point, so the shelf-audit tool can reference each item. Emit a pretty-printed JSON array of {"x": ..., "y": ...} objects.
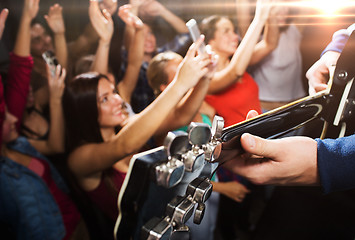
[
  {"x": 287, "y": 161},
  {"x": 318, "y": 74}
]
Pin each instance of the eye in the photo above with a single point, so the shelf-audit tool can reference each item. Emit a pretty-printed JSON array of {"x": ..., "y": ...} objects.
[{"x": 104, "y": 99}]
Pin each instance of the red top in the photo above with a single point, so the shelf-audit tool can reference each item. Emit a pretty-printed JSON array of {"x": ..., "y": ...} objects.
[
  {"x": 105, "y": 198},
  {"x": 234, "y": 103},
  {"x": 70, "y": 213},
  {"x": 18, "y": 80},
  {"x": 18, "y": 85}
]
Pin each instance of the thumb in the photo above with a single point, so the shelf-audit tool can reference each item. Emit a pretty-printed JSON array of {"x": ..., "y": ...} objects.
[{"x": 258, "y": 146}]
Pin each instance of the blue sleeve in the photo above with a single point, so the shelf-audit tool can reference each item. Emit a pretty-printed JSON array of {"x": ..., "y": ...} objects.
[
  {"x": 336, "y": 163},
  {"x": 339, "y": 39}
]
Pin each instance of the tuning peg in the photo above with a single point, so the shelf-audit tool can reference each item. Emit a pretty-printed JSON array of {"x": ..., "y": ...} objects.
[
  {"x": 181, "y": 233},
  {"x": 176, "y": 143},
  {"x": 171, "y": 206},
  {"x": 199, "y": 213},
  {"x": 217, "y": 126},
  {"x": 214, "y": 147},
  {"x": 157, "y": 229},
  {"x": 200, "y": 189},
  {"x": 170, "y": 173},
  {"x": 180, "y": 209},
  {"x": 198, "y": 135}
]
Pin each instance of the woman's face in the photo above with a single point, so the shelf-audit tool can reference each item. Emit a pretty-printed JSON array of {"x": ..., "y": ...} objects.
[
  {"x": 170, "y": 70},
  {"x": 9, "y": 132},
  {"x": 110, "y": 105},
  {"x": 225, "y": 41},
  {"x": 150, "y": 43},
  {"x": 41, "y": 41}
]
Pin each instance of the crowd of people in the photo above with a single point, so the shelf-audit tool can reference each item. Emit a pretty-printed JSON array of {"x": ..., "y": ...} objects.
[{"x": 118, "y": 87}]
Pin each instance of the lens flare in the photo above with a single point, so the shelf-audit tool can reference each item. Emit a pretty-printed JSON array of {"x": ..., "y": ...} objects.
[{"x": 330, "y": 8}]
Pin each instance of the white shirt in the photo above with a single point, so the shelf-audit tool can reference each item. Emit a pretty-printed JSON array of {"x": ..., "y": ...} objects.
[{"x": 279, "y": 75}]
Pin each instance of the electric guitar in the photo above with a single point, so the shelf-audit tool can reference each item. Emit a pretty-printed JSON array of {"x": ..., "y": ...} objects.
[{"x": 167, "y": 185}]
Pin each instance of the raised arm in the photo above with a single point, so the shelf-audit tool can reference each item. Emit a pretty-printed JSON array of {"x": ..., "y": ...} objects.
[
  {"x": 103, "y": 25},
  {"x": 153, "y": 8},
  {"x": 134, "y": 26},
  {"x": 92, "y": 158},
  {"x": 3, "y": 16},
  {"x": 22, "y": 44},
  {"x": 270, "y": 39},
  {"x": 21, "y": 64},
  {"x": 244, "y": 15},
  {"x": 55, "y": 141},
  {"x": 55, "y": 21},
  {"x": 241, "y": 58},
  {"x": 188, "y": 107}
]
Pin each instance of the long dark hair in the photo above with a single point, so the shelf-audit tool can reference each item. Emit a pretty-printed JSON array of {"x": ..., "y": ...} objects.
[{"x": 80, "y": 110}]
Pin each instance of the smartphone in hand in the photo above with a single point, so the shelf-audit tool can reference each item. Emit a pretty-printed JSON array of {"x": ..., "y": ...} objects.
[
  {"x": 50, "y": 58},
  {"x": 195, "y": 34}
]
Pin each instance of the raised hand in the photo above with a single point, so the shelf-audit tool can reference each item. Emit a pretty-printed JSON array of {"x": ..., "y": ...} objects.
[
  {"x": 193, "y": 67},
  {"x": 30, "y": 9},
  {"x": 55, "y": 19},
  {"x": 136, "y": 4},
  {"x": 56, "y": 82},
  {"x": 109, "y": 5},
  {"x": 263, "y": 8},
  {"x": 102, "y": 22},
  {"x": 3, "y": 16},
  {"x": 318, "y": 75},
  {"x": 129, "y": 17}
]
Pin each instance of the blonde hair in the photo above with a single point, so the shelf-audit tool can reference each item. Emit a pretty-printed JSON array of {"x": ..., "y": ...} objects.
[{"x": 156, "y": 73}]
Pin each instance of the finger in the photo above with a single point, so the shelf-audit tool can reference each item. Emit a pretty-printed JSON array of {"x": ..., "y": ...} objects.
[
  {"x": 252, "y": 114},
  {"x": 57, "y": 70},
  {"x": 62, "y": 77},
  {"x": 3, "y": 15},
  {"x": 194, "y": 47},
  {"x": 258, "y": 146},
  {"x": 320, "y": 87},
  {"x": 106, "y": 14}
]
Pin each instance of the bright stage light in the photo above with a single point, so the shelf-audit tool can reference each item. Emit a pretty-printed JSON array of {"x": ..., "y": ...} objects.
[{"x": 331, "y": 8}]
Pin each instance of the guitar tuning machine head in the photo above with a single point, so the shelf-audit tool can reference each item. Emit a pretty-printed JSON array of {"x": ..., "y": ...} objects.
[
  {"x": 170, "y": 173},
  {"x": 181, "y": 233},
  {"x": 200, "y": 189},
  {"x": 157, "y": 229},
  {"x": 199, "y": 213},
  {"x": 217, "y": 126},
  {"x": 198, "y": 135},
  {"x": 176, "y": 143},
  {"x": 214, "y": 147}
]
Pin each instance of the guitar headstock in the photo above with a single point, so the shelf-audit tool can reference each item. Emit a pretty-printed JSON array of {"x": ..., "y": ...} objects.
[
  {"x": 168, "y": 185},
  {"x": 191, "y": 149}
]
